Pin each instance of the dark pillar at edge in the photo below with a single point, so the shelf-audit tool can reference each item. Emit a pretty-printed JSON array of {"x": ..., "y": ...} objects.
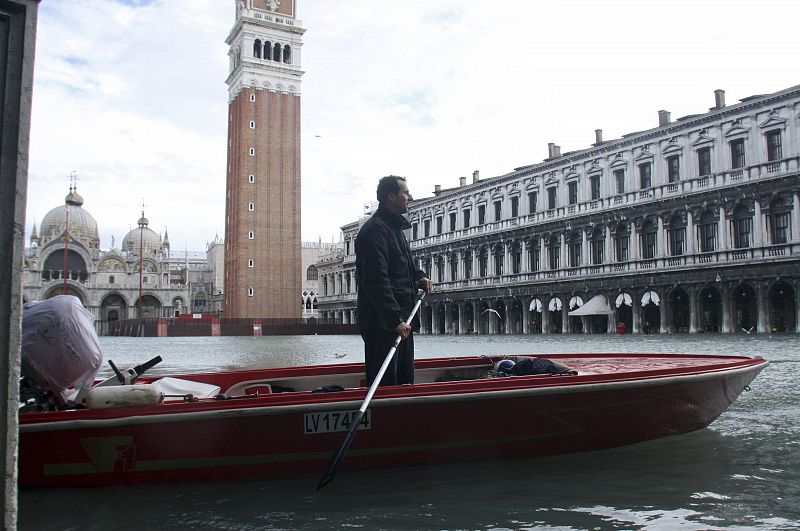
[{"x": 17, "y": 47}]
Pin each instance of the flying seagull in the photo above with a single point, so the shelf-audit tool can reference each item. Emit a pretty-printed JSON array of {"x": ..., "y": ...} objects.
[{"x": 493, "y": 311}]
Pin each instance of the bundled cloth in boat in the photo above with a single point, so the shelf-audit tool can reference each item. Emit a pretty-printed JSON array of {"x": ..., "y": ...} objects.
[
  {"x": 60, "y": 348},
  {"x": 527, "y": 366}
]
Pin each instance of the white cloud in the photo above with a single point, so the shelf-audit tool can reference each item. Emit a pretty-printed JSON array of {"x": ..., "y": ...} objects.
[{"x": 133, "y": 96}]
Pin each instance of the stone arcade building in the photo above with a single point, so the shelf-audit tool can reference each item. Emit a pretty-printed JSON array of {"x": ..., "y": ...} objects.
[{"x": 691, "y": 226}]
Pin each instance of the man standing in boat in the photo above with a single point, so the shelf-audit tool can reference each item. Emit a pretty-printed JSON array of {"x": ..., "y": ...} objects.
[{"x": 387, "y": 283}]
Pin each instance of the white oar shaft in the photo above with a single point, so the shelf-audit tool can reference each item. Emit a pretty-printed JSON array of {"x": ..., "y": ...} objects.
[{"x": 388, "y": 360}]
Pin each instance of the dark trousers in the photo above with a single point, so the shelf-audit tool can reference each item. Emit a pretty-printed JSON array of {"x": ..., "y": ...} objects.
[{"x": 377, "y": 344}]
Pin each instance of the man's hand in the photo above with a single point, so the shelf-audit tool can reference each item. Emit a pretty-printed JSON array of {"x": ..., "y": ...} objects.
[
  {"x": 403, "y": 330},
  {"x": 425, "y": 284}
]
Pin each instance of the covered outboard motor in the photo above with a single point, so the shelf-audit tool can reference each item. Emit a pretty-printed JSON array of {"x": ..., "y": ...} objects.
[{"x": 60, "y": 348}]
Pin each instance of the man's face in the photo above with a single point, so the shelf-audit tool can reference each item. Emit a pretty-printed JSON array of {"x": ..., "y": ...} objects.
[{"x": 398, "y": 202}]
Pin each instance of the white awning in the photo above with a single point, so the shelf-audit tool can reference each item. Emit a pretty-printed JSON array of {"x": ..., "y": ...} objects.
[
  {"x": 623, "y": 298},
  {"x": 554, "y": 305},
  {"x": 575, "y": 301},
  {"x": 536, "y": 306},
  {"x": 651, "y": 296},
  {"x": 597, "y": 305}
]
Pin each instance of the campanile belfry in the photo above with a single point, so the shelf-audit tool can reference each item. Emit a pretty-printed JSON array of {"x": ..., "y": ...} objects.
[{"x": 262, "y": 208}]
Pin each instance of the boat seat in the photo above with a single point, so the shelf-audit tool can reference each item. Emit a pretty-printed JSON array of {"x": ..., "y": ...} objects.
[{"x": 250, "y": 387}]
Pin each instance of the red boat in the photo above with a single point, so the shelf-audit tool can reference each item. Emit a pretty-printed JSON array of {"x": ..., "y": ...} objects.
[{"x": 271, "y": 422}]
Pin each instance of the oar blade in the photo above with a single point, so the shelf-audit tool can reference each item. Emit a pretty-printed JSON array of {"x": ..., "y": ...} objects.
[{"x": 329, "y": 474}]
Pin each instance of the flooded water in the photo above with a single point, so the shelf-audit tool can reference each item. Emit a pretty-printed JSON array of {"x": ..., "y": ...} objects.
[{"x": 743, "y": 472}]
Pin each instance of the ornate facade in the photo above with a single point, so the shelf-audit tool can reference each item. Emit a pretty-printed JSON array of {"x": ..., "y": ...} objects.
[
  {"x": 263, "y": 259},
  {"x": 691, "y": 226},
  {"x": 64, "y": 256}
]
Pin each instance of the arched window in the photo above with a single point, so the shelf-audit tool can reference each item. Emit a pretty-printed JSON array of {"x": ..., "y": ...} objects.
[
  {"x": 516, "y": 258},
  {"x": 287, "y": 55},
  {"x": 598, "y": 246},
  {"x": 677, "y": 236},
  {"x": 648, "y": 239},
  {"x": 707, "y": 232},
  {"x": 742, "y": 227},
  {"x": 257, "y": 48},
  {"x": 467, "y": 259},
  {"x": 575, "y": 244},
  {"x": 110, "y": 279},
  {"x": 499, "y": 258},
  {"x": 276, "y": 52},
  {"x": 554, "y": 252},
  {"x": 534, "y": 258},
  {"x": 312, "y": 273},
  {"x": 621, "y": 242},
  {"x": 267, "y": 50},
  {"x": 779, "y": 220}
]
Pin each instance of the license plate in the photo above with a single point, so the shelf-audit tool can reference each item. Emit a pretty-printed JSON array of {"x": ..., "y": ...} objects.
[{"x": 331, "y": 421}]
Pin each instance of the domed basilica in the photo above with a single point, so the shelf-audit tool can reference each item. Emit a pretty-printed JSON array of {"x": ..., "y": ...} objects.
[{"x": 143, "y": 278}]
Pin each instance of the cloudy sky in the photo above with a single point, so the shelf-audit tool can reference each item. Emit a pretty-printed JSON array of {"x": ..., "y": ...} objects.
[{"x": 131, "y": 94}]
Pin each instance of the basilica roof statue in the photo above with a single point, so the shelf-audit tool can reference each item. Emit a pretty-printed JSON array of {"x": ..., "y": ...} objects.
[{"x": 73, "y": 218}]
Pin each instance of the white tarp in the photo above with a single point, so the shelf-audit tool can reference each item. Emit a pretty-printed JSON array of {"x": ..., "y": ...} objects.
[
  {"x": 554, "y": 305},
  {"x": 651, "y": 296},
  {"x": 536, "y": 306},
  {"x": 59, "y": 344},
  {"x": 597, "y": 305},
  {"x": 623, "y": 298},
  {"x": 575, "y": 301}
]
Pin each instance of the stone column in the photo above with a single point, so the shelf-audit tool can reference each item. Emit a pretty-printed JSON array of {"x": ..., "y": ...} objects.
[
  {"x": 507, "y": 250},
  {"x": 609, "y": 245},
  {"x": 690, "y": 236},
  {"x": 664, "y": 315},
  {"x": 543, "y": 255},
  {"x": 758, "y": 225},
  {"x": 612, "y": 319},
  {"x": 796, "y": 307},
  {"x": 796, "y": 217},
  {"x": 763, "y": 322},
  {"x": 462, "y": 318},
  {"x": 566, "y": 325},
  {"x": 634, "y": 244},
  {"x": 693, "y": 310},
  {"x": 448, "y": 318},
  {"x": 545, "y": 319},
  {"x": 723, "y": 230},
  {"x": 585, "y": 258},
  {"x": 636, "y": 311},
  {"x": 727, "y": 327},
  {"x": 525, "y": 317},
  {"x": 524, "y": 262},
  {"x": 661, "y": 239},
  {"x": 509, "y": 302},
  {"x": 562, "y": 251},
  {"x": 492, "y": 321},
  {"x": 476, "y": 317}
]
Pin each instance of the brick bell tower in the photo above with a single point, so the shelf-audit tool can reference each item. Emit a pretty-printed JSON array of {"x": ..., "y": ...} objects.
[{"x": 262, "y": 209}]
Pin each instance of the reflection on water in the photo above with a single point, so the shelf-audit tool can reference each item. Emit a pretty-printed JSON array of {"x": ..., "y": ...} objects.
[{"x": 743, "y": 472}]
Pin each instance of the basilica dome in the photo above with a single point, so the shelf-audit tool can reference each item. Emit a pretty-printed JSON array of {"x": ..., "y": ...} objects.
[
  {"x": 82, "y": 226},
  {"x": 142, "y": 238}
]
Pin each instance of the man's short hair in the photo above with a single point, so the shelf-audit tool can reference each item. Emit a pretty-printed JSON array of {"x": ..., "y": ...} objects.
[{"x": 388, "y": 185}]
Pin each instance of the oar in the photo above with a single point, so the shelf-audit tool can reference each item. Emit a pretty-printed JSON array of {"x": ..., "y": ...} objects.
[{"x": 329, "y": 474}]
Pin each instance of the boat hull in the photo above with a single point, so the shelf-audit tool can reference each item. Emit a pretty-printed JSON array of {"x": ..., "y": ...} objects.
[{"x": 407, "y": 425}]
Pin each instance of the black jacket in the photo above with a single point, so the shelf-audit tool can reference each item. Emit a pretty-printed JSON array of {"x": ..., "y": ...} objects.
[{"x": 385, "y": 273}]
